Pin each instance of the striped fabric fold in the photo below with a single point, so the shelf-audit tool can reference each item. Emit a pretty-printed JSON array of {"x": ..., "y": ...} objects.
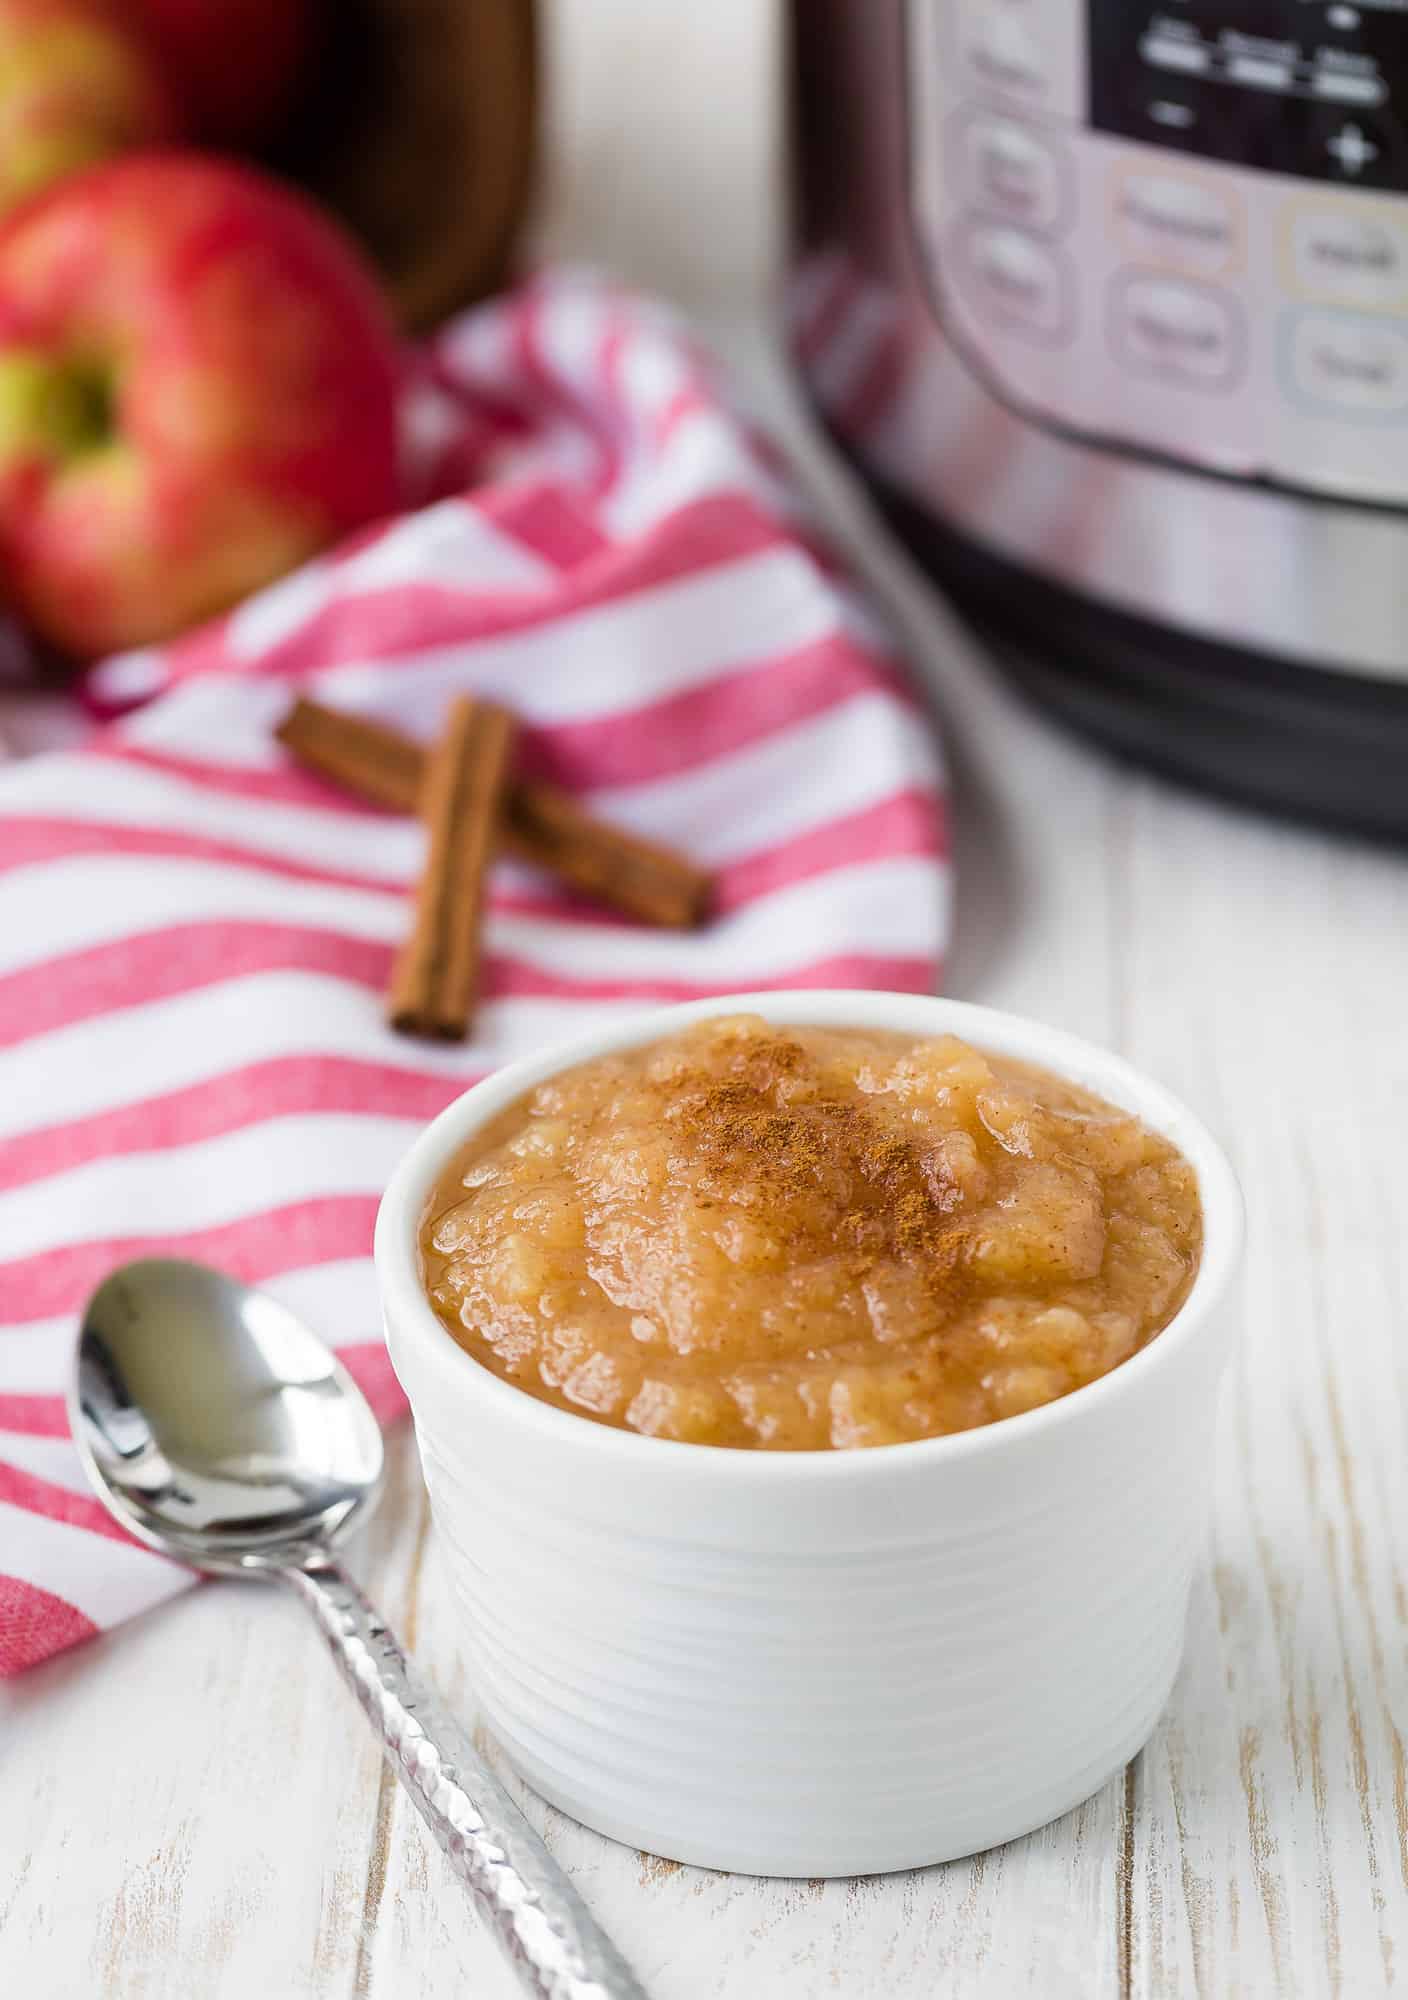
[{"x": 194, "y": 935}]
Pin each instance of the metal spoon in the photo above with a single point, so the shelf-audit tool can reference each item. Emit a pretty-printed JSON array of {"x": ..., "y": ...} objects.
[{"x": 219, "y": 1430}]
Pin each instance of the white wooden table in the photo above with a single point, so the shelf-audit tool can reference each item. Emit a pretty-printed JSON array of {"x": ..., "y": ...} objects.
[{"x": 192, "y": 1808}]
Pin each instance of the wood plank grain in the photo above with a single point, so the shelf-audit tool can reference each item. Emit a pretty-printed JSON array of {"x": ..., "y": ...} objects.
[
  {"x": 197, "y": 1792},
  {"x": 1269, "y": 1831}
]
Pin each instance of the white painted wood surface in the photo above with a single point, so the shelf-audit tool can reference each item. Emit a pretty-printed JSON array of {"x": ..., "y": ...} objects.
[{"x": 193, "y": 1810}]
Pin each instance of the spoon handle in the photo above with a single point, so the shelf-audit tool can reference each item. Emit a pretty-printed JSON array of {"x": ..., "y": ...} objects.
[{"x": 556, "y": 1946}]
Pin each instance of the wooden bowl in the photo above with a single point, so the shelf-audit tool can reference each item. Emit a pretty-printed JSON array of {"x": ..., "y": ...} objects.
[{"x": 416, "y": 123}]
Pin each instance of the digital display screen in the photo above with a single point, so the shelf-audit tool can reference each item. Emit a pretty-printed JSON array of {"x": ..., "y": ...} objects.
[{"x": 1315, "y": 88}]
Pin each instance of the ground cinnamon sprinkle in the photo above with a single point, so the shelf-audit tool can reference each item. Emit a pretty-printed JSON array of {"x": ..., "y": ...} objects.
[
  {"x": 762, "y": 1150},
  {"x": 808, "y": 1238}
]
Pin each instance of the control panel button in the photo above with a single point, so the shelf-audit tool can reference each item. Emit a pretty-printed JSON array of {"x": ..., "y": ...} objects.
[
  {"x": 1349, "y": 257},
  {"x": 1352, "y": 147},
  {"x": 1349, "y": 366},
  {"x": 1018, "y": 280},
  {"x": 1175, "y": 218},
  {"x": 1187, "y": 333},
  {"x": 1346, "y": 87},
  {"x": 1012, "y": 170},
  {"x": 1023, "y": 54},
  {"x": 1004, "y": 54},
  {"x": 1176, "y": 45}
]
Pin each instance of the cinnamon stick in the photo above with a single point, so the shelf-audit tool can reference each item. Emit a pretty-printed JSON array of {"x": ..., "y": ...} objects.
[
  {"x": 540, "y": 824},
  {"x": 375, "y": 762},
  {"x": 436, "y": 977}
]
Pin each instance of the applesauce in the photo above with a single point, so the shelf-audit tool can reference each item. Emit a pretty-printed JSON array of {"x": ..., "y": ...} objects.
[{"x": 803, "y": 1238}]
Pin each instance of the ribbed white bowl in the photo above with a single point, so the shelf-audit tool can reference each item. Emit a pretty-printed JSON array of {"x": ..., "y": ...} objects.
[{"x": 821, "y": 1663}]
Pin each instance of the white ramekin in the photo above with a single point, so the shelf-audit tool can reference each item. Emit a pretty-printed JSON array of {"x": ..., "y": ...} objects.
[{"x": 821, "y": 1663}]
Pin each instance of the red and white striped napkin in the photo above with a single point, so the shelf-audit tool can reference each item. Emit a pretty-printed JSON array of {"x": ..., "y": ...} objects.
[{"x": 194, "y": 935}]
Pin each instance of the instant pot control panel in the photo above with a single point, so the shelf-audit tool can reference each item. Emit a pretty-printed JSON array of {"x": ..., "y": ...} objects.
[{"x": 1182, "y": 228}]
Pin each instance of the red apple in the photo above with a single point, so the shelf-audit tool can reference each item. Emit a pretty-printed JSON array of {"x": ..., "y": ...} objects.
[
  {"x": 197, "y": 391},
  {"x": 231, "y": 64},
  {"x": 77, "y": 82}
]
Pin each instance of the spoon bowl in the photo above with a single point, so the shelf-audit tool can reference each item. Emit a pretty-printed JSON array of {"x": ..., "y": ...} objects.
[{"x": 214, "y": 1424}]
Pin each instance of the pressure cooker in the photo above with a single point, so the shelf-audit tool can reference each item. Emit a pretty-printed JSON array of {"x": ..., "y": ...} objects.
[{"x": 1109, "y": 303}]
